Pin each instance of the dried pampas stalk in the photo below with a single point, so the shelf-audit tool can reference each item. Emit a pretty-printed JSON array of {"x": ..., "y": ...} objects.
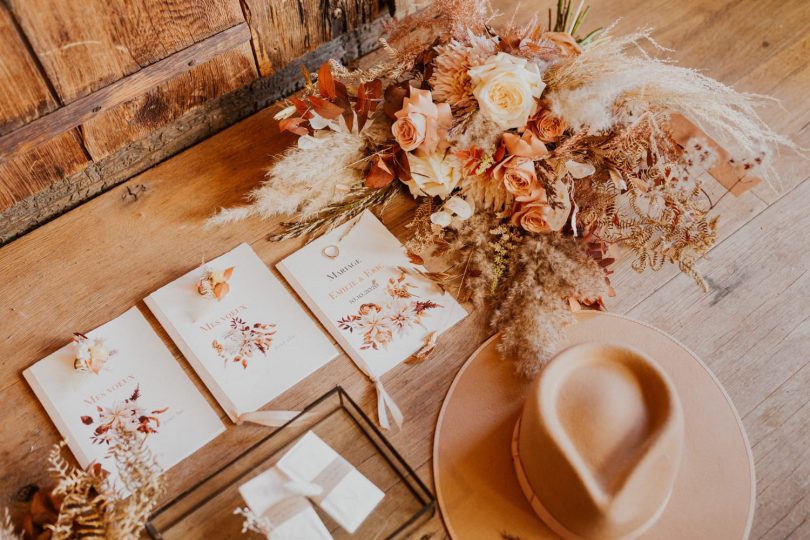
[
  {"x": 475, "y": 245},
  {"x": 614, "y": 78},
  {"x": 534, "y": 310},
  {"x": 299, "y": 182}
]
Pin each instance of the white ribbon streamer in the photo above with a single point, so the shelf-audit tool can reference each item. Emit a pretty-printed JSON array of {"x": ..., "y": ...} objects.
[{"x": 384, "y": 404}]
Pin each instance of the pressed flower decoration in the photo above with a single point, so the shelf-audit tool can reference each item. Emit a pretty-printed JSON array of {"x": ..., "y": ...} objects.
[
  {"x": 214, "y": 283},
  {"x": 91, "y": 354},
  {"x": 243, "y": 341},
  {"x": 533, "y": 151}
]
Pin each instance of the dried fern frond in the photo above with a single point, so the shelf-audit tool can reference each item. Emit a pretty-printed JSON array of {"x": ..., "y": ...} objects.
[
  {"x": 140, "y": 475},
  {"x": 400, "y": 60},
  {"x": 92, "y": 508},
  {"x": 448, "y": 19}
]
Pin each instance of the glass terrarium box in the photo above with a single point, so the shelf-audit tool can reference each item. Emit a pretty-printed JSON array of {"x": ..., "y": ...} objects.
[{"x": 208, "y": 509}]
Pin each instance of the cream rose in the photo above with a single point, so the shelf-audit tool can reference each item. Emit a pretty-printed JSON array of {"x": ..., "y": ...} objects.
[
  {"x": 506, "y": 87},
  {"x": 436, "y": 174}
]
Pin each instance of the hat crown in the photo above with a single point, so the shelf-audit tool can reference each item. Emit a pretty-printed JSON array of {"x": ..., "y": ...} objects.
[{"x": 599, "y": 442}]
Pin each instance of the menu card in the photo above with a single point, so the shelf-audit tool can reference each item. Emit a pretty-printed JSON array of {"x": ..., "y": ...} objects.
[
  {"x": 378, "y": 306},
  {"x": 249, "y": 346},
  {"x": 140, "y": 388}
]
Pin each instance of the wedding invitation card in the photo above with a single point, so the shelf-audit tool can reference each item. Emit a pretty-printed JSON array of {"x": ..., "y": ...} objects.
[
  {"x": 139, "y": 388},
  {"x": 249, "y": 341},
  {"x": 378, "y": 306}
]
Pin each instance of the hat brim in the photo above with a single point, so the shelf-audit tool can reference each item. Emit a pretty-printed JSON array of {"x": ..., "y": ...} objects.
[{"x": 476, "y": 485}]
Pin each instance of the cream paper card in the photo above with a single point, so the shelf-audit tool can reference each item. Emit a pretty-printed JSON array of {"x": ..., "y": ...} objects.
[
  {"x": 346, "y": 494},
  {"x": 141, "y": 388},
  {"x": 250, "y": 346},
  {"x": 282, "y": 507},
  {"x": 379, "y": 314}
]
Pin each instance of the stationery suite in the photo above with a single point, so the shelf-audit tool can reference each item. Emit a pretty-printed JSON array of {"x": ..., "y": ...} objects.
[
  {"x": 140, "y": 389},
  {"x": 310, "y": 470},
  {"x": 248, "y": 342},
  {"x": 378, "y": 306}
]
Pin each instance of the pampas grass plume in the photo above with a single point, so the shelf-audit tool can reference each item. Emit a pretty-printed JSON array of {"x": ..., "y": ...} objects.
[{"x": 304, "y": 179}]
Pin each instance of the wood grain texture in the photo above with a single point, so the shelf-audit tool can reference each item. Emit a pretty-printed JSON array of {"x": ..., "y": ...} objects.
[
  {"x": 161, "y": 142},
  {"x": 286, "y": 29},
  {"x": 752, "y": 329},
  {"x": 25, "y": 174},
  {"x": 134, "y": 119},
  {"x": 24, "y": 95},
  {"x": 194, "y": 64},
  {"x": 84, "y": 45}
]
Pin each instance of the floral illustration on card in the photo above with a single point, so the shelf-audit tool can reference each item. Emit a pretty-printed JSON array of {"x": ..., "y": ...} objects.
[
  {"x": 381, "y": 324},
  {"x": 128, "y": 416},
  {"x": 244, "y": 340}
]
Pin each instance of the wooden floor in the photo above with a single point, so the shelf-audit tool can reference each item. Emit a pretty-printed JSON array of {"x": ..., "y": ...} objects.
[{"x": 752, "y": 329}]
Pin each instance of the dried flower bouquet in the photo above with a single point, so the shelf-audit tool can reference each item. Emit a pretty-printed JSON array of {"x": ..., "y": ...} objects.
[{"x": 533, "y": 149}]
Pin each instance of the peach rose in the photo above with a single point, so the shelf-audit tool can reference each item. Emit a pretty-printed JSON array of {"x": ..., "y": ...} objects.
[
  {"x": 421, "y": 123},
  {"x": 564, "y": 41},
  {"x": 531, "y": 216},
  {"x": 527, "y": 146},
  {"x": 518, "y": 177},
  {"x": 546, "y": 126},
  {"x": 538, "y": 216}
]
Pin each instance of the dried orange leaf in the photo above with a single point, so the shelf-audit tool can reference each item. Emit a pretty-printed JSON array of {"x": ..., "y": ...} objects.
[
  {"x": 325, "y": 108},
  {"x": 326, "y": 83}
]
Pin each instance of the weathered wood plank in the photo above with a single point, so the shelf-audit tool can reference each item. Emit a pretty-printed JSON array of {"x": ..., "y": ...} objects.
[
  {"x": 135, "y": 119},
  {"x": 193, "y": 126},
  {"x": 753, "y": 331},
  {"x": 85, "y": 45},
  {"x": 27, "y": 173},
  {"x": 24, "y": 95},
  {"x": 133, "y": 87},
  {"x": 286, "y": 29}
]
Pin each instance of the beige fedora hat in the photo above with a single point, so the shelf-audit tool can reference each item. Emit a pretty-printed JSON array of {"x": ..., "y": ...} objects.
[{"x": 626, "y": 434}]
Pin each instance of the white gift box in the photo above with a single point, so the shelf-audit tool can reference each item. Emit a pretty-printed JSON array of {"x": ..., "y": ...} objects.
[
  {"x": 345, "y": 493},
  {"x": 278, "y": 502}
]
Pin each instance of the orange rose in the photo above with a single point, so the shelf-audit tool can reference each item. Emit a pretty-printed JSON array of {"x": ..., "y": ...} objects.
[
  {"x": 518, "y": 177},
  {"x": 546, "y": 126},
  {"x": 421, "y": 123},
  {"x": 564, "y": 41}
]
